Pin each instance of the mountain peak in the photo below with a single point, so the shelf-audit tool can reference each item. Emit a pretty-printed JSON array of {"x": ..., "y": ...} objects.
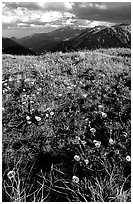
[{"x": 99, "y": 37}]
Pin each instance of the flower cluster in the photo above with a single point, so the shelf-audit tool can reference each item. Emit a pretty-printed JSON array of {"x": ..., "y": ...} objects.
[{"x": 97, "y": 143}]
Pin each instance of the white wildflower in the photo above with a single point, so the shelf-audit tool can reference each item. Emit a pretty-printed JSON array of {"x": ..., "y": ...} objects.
[
  {"x": 47, "y": 115},
  {"x": 27, "y": 117},
  {"x": 85, "y": 95},
  {"x": 51, "y": 113},
  {"x": 92, "y": 130},
  {"x": 128, "y": 158},
  {"x": 75, "y": 179},
  {"x": 111, "y": 141},
  {"x": 95, "y": 141},
  {"x": 11, "y": 174},
  {"x": 104, "y": 115},
  {"x": 77, "y": 158},
  {"x": 29, "y": 122},
  {"x": 38, "y": 118},
  {"x": 97, "y": 144},
  {"x": 86, "y": 161}
]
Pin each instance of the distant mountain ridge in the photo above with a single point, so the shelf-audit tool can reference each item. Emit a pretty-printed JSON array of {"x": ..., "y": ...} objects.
[
  {"x": 98, "y": 37},
  {"x": 9, "y": 46},
  {"x": 72, "y": 39},
  {"x": 42, "y": 42}
]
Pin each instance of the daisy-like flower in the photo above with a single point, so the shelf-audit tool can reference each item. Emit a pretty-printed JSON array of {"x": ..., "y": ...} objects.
[
  {"x": 97, "y": 145},
  {"x": 92, "y": 130},
  {"x": 104, "y": 115},
  {"x": 86, "y": 161},
  {"x": 11, "y": 174},
  {"x": 38, "y": 118},
  {"x": 51, "y": 113},
  {"x": 128, "y": 158},
  {"x": 77, "y": 158},
  {"x": 111, "y": 141},
  {"x": 75, "y": 179},
  {"x": 27, "y": 117}
]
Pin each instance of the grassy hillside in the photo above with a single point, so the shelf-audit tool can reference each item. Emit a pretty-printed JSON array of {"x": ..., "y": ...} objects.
[{"x": 66, "y": 126}]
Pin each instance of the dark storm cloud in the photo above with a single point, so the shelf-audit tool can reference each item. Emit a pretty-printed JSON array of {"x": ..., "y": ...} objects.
[
  {"x": 48, "y": 15},
  {"x": 51, "y": 6},
  {"x": 106, "y": 11},
  {"x": 98, "y": 11},
  {"x": 15, "y": 5}
]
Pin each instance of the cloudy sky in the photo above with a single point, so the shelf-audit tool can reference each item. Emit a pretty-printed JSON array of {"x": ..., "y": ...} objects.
[{"x": 25, "y": 18}]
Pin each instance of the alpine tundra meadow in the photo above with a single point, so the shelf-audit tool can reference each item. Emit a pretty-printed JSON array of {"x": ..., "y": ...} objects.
[{"x": 66, "y": 102}]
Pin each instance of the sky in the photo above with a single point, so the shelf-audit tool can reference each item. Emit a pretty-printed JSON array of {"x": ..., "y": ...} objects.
[{"x": 21, "y": 19}]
